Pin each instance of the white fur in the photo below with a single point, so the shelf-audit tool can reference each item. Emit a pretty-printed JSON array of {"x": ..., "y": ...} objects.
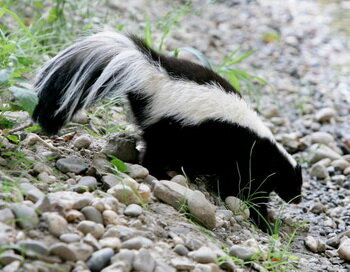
[{"x": 187, "y": 101}]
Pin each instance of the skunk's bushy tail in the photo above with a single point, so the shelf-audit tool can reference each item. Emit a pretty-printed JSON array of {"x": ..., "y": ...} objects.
[{"x": 105, "y": 64}]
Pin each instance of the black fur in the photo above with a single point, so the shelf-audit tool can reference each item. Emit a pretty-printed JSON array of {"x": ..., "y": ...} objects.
[{"x": 245, "y": 164}]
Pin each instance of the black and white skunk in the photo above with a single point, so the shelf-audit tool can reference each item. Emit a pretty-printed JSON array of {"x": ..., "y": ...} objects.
[{"x": 192, "y": 119}]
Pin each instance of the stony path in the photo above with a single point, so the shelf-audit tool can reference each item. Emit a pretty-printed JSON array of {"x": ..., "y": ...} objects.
[{"x": 61, "y": 209}]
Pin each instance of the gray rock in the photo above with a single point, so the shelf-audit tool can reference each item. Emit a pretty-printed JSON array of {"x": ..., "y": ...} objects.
[
  {"x": 340, "y": 164},
  {"x": 333, "y": 242},
  {"x": 180, "y": 179},
  {"x": 319, "y": 171},
  {"x": 110, "y": 242},
  {"x": 43, "y": 205},
  {"x": 318, "y": 208},
  {"x": 110, "y": 217},
  {"x": 321, "y": 138},
  {"x": 314, "y": 245},
  {"x": 202, "y": 210},
  {"x": 338, "y": 179},
  {"x": 70, "y": 237},
  {"x": 110, "y": 180},
  {"x": 124, "y": 194},
  {"x": 241, "y": 252},
  {"x": 143, "y": 261},
  {"x": 181, "y": 250},
  {"x": 71, "y": 164},
  {"x": 92, "y": 241},
  {"x": 74, "y": 216},
  {"x": 125, "y": 256},
  {"x": 45, "y": 177},
  {"x": 12, "y": 267},
  {"x": 83, "y": 141},
  {"x": 203, "y": 255},
  {"x": 91, "y": 227},
  {"x": 92, "y": 214},
  {"x": 163, "y": 267},
  {"x": 72, "y": 252},
  {"x": 89, "y": 182},
  {"x": 137, "y": 243},
  {"x": 8, "y": 257},
  {"x": 319, "y": 152},
  {"x": 81, "y": 202},
  {"x": 237, "y": 206},
  {"x": 325, "y": 114},
  {"x": 171, "y": 193},
  {"x": 344, "y": 249},
  {"x": 133, "y": 210},
  {"x": 123, "y": 147},
  {"x": 31, "y": 192},
  {"x": 36, "y": 246},
  {"x": 25, "y": 215},
  {"x": 7, "y": 216},
  {"x": 80, "y": 118},
  {"x": 56, "y": 224},
  {"x": 137, "y": 171},
  {"x": 100, "y": 259},
  {"x": 182, "y": 264}
]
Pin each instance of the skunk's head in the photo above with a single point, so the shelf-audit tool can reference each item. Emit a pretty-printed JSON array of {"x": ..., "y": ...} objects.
[{"x": 289, "y": 182}]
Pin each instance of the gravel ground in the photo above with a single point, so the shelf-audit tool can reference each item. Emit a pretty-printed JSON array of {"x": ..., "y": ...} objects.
[{"x": 61, "y": 209}]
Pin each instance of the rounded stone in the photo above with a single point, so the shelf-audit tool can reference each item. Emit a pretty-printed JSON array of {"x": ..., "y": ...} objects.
[
  {"x": 181, "y": 250},
  {"x": 95, "y": 229},
  {"x": 89, "y": 182},
  {"x": 71, "y": 164},
  {"x": 82, "y": 141},
  {"x": 133, "y": 210},
  {"x": 70, "y": 237},
  {"x": 100, "y": 259},
  {"x": 56, "y": 224},
  {"x": 203, "y": 255},
  {"x": 92, "y": 214},
  {"x": 241, "y": 252}
]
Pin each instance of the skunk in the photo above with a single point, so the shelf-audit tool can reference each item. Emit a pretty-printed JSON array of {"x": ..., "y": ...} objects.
[{"x": 192, "y": 119}]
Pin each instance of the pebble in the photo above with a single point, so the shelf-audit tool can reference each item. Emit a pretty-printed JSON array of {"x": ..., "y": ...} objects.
[
  {"x": 56, "y": 224},
  {"x": 338, "y": 179},
  {"x": 36, "y": 246},
  {"x": 80, "y": 118},
  {"x": 321, "y": 138},
  {"x": 325, "y": 114},
  {"x": 95, "y": 229},
  {"x": 32, "y": 192},
  {"x": 71, "y": 164},
  {"x": 100, "y": 259},
  {"x": 143, "y": 261},
  {"x": 181, "y": 250},
  {"x": 74, "y": 215},
  {"x": 83, "y": 141},
  {"x": 344, "y": 249},
  {"x": 319, "y": 171},
  {"x": 105, "y": 203},
  {"x": 110, "y": 180},
  {"x": 182, "y": 264},
  {"x": 45, "y": 177},
  {"x": 171, "y": 193},
  {"x": 89, "y": 182},
  {"x": 133, "y": 210},
  {"x": 340, "y": 164},
  {"x": 126, "y": 257},
  {"x": 72, "y": 251},
  {"x": 203, "y": 255},
  {"x": 8, "y": 257},
  {"x": 92, "y": 214},
  {"x": 25, "y": 215},
  {"x": 12, "y": 267},
  {"x": 7, "y": 216},
  {"x": 202, "y": 210},
  {"x": 315, "y": 245},
  {"x": 318, "y": 208},
  {"x": 92, "y": 241},
  {"x": 241, "y": 252},
  {"x": 137, "y": 243},
  {"x": 237, "y": 206},
  {"x": 123, "y": 147},
  {"x": 180, "y": 179},
  {"x": 124, "y": 194},
  {"x": 319, "y": 152},
  {"x": 110, "y": 217},
  {"x": 110, "y": 242},
  {"x": 136, "y": 171},
  {"x": 70, "y": 237}
]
